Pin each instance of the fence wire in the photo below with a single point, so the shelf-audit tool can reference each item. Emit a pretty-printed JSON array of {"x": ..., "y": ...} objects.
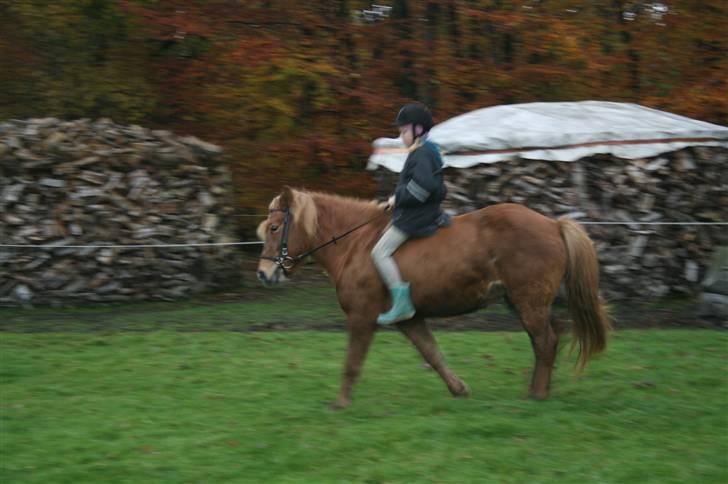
[{"x": 257, "y": 242}]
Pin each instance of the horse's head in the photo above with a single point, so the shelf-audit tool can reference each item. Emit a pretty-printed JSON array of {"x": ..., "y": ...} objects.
[{"x": 286, "y": 233}]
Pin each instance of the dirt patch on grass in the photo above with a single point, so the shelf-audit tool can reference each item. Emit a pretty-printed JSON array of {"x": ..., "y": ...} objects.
[
  {"x": 635, "y": 316},
  {"x": 152, "y": 316}
]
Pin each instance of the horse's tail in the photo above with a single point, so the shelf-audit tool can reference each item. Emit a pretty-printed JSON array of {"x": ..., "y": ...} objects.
[{"x": 588, "y": 312}]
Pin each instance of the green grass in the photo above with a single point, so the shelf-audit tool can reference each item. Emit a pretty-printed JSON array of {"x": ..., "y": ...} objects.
[{"x": 215, "y": 407}]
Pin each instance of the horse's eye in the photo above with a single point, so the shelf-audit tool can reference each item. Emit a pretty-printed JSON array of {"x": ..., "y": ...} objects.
[{"x": 273, "y": 228}]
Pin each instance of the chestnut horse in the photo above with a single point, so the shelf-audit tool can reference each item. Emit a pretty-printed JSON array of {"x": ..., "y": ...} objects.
[{"x": 502, "y": 252}]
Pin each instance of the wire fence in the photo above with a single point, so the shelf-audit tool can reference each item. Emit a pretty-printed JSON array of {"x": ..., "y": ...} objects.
[
  {"x": 257, "y": 242},
  {"x": 128, "y": 246}
]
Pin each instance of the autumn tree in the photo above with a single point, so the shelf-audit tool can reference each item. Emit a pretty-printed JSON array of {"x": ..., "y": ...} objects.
[{"x": 296, "y": 91}]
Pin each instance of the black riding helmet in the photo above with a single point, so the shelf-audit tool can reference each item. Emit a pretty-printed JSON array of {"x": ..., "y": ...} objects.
[{"x": 415, "y": 113}]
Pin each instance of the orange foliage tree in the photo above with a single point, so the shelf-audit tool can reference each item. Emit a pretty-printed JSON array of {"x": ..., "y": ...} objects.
[{"x": 296, "y": 91}]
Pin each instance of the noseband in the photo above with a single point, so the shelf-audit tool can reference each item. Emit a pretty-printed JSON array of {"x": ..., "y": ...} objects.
[{"x": 284, "y": 261}]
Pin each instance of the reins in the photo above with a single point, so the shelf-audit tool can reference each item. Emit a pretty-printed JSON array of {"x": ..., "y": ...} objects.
[{"x": 286, "y": 262}]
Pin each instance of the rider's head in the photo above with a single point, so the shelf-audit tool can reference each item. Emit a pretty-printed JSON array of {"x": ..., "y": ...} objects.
[{"x": 413, "y": 120}]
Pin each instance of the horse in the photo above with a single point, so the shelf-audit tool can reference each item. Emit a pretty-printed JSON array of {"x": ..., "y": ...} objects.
[{"x": 504, "y": 252}]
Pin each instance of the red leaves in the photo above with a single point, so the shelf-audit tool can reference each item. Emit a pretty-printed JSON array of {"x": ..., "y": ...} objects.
[
  {"x": 296, "y": 91},
  {"x": 172, "y": 20}
]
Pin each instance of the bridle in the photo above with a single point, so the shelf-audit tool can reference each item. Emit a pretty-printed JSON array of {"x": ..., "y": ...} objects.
[{"x": 284, "y": 261}]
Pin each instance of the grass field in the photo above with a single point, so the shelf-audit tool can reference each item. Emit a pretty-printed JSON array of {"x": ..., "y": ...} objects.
[{"x": 167, "y": 406}]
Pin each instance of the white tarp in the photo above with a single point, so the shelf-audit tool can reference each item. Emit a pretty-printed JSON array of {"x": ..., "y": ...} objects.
[{"x": 564, "y": 131}]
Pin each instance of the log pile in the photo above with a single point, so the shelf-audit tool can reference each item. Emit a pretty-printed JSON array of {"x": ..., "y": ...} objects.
[
  {"x": 689, "y": 185},
  {"x": 98, "y": 183},
  {"x": 714, "y": 299}
]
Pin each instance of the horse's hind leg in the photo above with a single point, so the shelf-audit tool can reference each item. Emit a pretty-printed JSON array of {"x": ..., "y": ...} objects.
[
  {"x": 419, "y": 333},
  {"x": 544, "y": 340}
]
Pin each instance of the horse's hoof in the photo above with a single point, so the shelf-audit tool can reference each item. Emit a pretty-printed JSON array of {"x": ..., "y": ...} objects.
[
  {"x": 538, "y": 396},
  {"x": 340, "y": 404},
  {"x": 463, "y": 392}
]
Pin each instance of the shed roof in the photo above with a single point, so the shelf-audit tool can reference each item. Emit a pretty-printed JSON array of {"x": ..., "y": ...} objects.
[{"x": 559, "y": 131}]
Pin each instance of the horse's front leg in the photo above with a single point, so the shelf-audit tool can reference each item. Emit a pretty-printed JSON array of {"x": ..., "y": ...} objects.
[{"x": 361, "y": 333}]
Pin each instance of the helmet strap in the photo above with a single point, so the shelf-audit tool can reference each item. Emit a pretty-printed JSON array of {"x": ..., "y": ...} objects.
[{"x": 418, "y": 142}]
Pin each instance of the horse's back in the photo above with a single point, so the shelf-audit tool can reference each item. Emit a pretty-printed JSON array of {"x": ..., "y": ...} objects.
[
  {"x": 506, "y": 215},
  {"x": 515, "y": 230},
  {"x": 506, "y": 225},
  {"x": 507, "y": 245}
]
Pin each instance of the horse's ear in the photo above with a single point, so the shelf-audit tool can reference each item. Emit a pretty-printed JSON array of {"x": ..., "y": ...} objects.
[{"x": 286, "y": 199}]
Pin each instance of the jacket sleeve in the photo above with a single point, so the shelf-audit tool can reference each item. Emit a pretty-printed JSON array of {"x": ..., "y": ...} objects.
[{"x": 423, "y": 182}]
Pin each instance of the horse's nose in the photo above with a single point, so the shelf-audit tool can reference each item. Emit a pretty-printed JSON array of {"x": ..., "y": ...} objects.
[{"x": 262, "y": 277}]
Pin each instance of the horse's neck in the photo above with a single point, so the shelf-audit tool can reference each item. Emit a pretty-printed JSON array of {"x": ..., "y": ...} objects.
[{"x": 334, "y": 220}]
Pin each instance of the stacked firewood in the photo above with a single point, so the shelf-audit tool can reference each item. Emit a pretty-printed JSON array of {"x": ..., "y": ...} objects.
[
  {"x": 98, "y": 183},
  {"x": 689, "y": 185}
]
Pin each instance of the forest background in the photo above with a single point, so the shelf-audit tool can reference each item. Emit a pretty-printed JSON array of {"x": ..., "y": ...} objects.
[{"x": 295, "y": 92}]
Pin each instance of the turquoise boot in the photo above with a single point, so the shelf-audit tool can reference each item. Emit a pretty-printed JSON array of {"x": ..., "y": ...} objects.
[{"x": 402, "y": 308}]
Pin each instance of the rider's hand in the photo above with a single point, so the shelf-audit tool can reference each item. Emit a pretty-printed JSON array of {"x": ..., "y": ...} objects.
[{"x": 388, "y": 205}]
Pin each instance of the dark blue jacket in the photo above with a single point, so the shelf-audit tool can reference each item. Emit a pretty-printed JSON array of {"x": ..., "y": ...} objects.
[{"x": 419, "y": 193}]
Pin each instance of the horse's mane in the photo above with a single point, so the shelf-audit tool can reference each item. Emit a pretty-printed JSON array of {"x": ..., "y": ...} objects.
[
  {"x": 304, "y": 208},
  {"x": 352, "y": 208}
]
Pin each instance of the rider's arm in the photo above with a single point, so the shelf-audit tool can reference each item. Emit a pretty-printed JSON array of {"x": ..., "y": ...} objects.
[{"x": 417, "y": 189}]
